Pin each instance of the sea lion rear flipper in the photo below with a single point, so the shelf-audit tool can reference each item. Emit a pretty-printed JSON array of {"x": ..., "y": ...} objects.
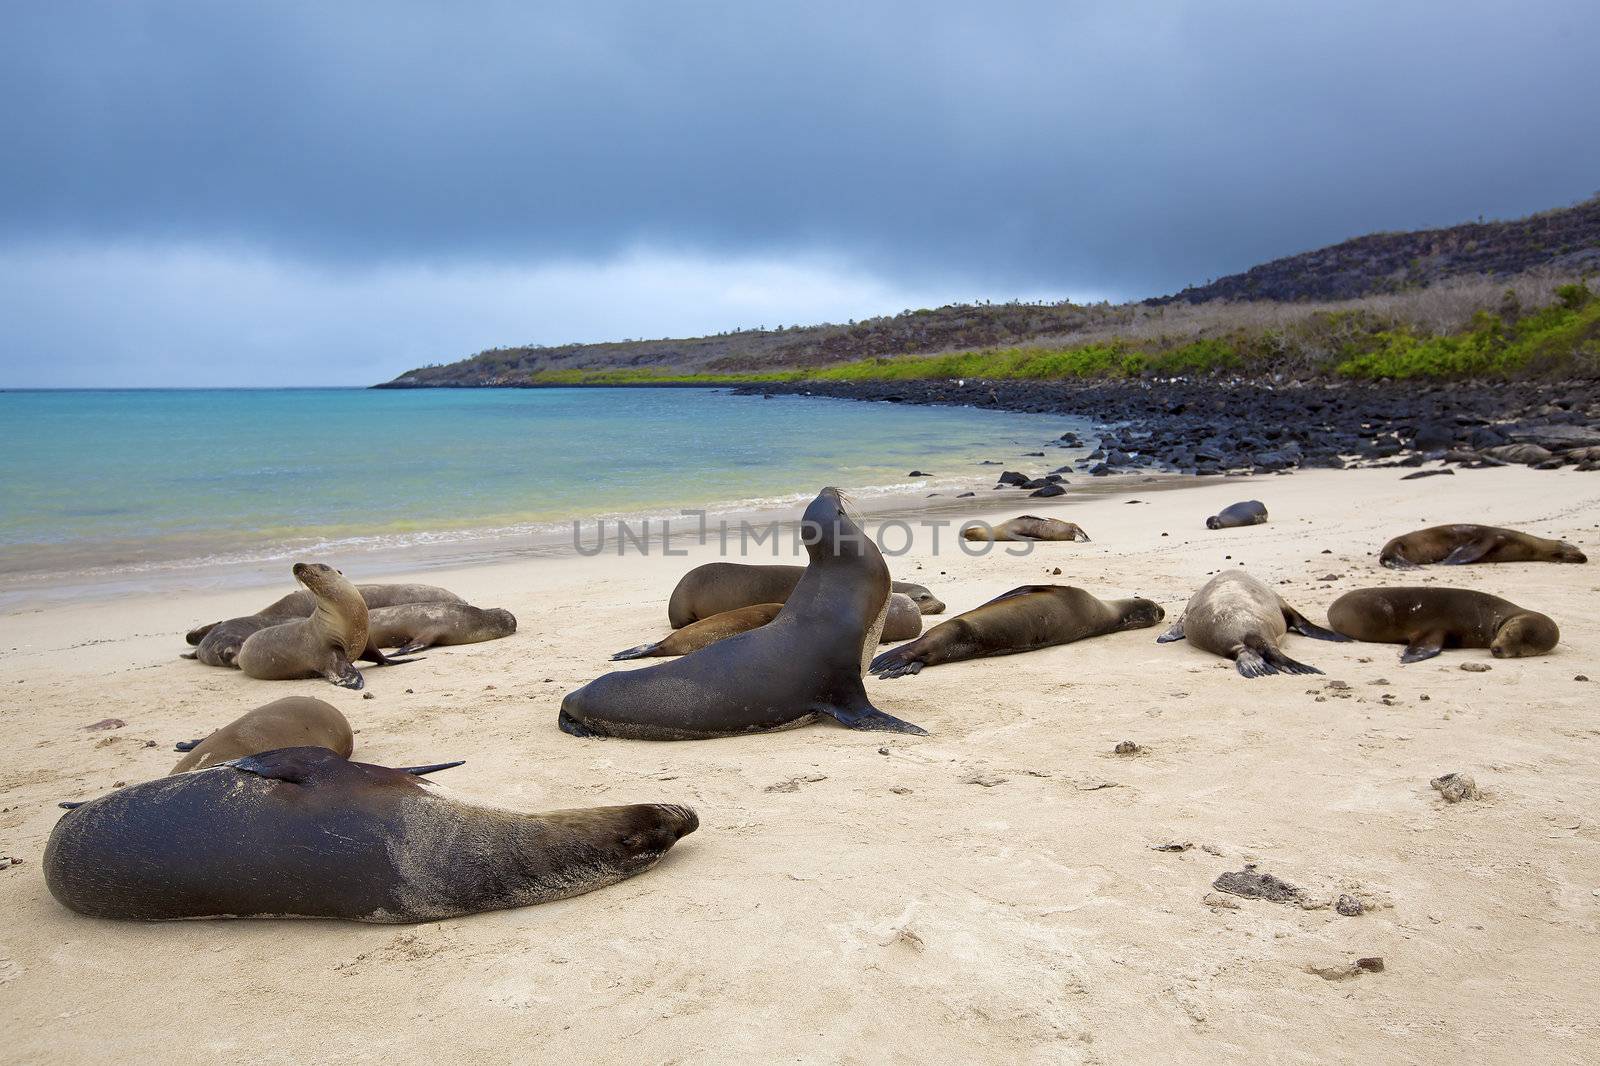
[
  {"x": 865, "y": 716},
  {"x": 1175, "y": 633},
  {"x": 639, "y": 652},
  {"x": 418, "y": 771},
  {"x": 189, "y": 655},
  {"x": 1299, "y": 623},
  {"x": 1423, "y": 646},
  {"x": 1471, "y": 551},
  {"x": 375, "y": 656},
  {"x": 1266, "y": 659},
  {"x": 408, "y": 648}
]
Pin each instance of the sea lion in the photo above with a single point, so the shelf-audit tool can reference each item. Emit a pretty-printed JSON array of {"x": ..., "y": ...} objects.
[
  {"x": 300, "y": 604},
  {"x": 1027, "y": 527},
  {"x": 1467, "y": 543},
  {"x": 804, "y": 664},
  {"x": 222, "y": 640},
  {"x": 1428, "y": 619},
  {"x": 303, "y": 832},
  {"x": 716, "y": 587},
  {"x": 1024, "y": 619},
  {"x": 1248, "y": 513},
  {"x": 903, "y": 622},
  {"x": 411, "y": 627},
  {"x": 324, "y": 645},
  {"x": 1237, "y": 617},
  {"x": 292, "y": 722}
]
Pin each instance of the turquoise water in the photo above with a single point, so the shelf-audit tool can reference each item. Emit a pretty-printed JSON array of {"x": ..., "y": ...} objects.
[{"x": 117, "y": 481}]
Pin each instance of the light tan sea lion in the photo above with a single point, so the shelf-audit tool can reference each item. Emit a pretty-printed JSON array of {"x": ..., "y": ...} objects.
[
  {"x": 1237, "y": 617},
  {"x": 292, "y": 722},
  {"x": 1466, "y": 543},
  {"x": 324, "y": 645},
  {"x": 903, "y": 622},
  {"x": 303, "y": 832},
  {"x": 1426, "y": 619},
  {"x": 1027, "y": 527},
  {"x": 1024, "y": 619},
  {"x": 716, "y": 587},
  {"x": 411, "y": 627},
  {"x": 300, "y": 604}
]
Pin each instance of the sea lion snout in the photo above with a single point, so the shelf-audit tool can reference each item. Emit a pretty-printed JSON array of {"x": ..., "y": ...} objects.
[
  {"x": 1529, "y": 633},
  {"x": 1213, "y": 523},
  {"x": 1146, "y": 613},
  {"x": 1571, "y": 553},
  {"x": 651, "y": 830}
]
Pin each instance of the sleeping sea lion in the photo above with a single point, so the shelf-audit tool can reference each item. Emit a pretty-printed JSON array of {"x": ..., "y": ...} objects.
[
  {"x": 1024, "y": 619},
  {"x": 323, "y": 645},
  {"x": 1248, "y": 513},
  {"x": 1466, "y": 543},
  {"x": 903, "y": 622},
  {"x": 1428, "y": 619},
  {"x": 1027, "y": 527},
  {"x": 411, "y": 627},
  {"x": 804, "y": 664},
  {"x": 303, "y": 832},
  {"x": 292, "y": 722},
  {"x": 716, "y": 587},
  {"x": 1237, "y": 617},
  {"x": 300, "y": 604}
]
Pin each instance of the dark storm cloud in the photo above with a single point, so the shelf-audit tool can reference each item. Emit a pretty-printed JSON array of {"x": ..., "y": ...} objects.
[{"x": 1075, "y": 147}]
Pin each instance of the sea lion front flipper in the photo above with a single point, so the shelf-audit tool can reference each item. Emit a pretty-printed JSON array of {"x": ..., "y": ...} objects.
[
  {"x": 1423, "y": 646},
  {"x": 189, "y": 655},
  {"x": 292, "y": 765},
  {"x": 865, "y": 716},
  {"x": 1471, "y": 551},
  {"x": 409, "y": 648},
  {"x": 896, "y": 662},
  {"x": 639, "y": 652},
  {"x": 1299, "y": 623},
  {"x": 344, "y": 674},
  {"x": 188, "y": 745},
  {"x": 418, "y": 771},
  {"x": 1175, "y": 633}
]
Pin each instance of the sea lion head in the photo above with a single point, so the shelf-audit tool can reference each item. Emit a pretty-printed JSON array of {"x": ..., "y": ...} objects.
[
  {"x": 1142, "y": 613},
  {"x": 1214, "y": 522},
  {"x": 1527, "y": 633},
  {"x": 626, "y": 840},
  {"x": 827, "y": 529},
  {"x": 502, "y": 618},
  {"x": 320, "y": 578},
  {"x": 925, "y": 600},
  {"x": 1569, "y": 553}
]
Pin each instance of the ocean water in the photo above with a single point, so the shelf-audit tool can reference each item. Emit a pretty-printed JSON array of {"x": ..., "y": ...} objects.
[{"x": 124, "y": 482}]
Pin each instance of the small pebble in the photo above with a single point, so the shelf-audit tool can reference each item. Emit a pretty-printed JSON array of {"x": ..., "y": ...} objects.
[
  {"x": 1349, "y": 906},
  {"x": 1456, "y": 787},
  {"x": 1126, "y": 747},
  {"x": 1475, "y": 667},
  {"x": 369, "y": 695},
  {"x": 1580, "y": 677}
]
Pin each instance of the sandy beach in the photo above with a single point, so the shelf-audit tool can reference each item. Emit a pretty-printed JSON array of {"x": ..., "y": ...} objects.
[{"x": 991, "y": 892}]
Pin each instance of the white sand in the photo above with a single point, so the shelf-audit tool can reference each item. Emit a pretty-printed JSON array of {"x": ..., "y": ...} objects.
[{"x": 972, "y": 895}]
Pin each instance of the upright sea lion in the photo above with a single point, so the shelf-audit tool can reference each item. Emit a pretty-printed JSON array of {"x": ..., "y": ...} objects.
[
  {"x": 903, "y": 622},
  {"x": 292, "y": 722},
  {"x": 1467, "y": 543},
  {"x": 303, "y": 832},
  {"x": 1024, "y": 619},
  {"x": 300, "y": 604},
  {"x": 804, "y": 664},
  {"x": 1427, "y": 619},
  {"x": 1237, "y": 617},
  {"x": 1027, "y": 527},
  {"x": 716, "y": 587},
  {"x": 324, "y": 645},
  {"x": 410, "y": 627},
  {"x": 1248, "y": 513}
]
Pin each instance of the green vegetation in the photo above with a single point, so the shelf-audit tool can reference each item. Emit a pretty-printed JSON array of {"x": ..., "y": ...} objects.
[{"x": 1562, "y": 338}]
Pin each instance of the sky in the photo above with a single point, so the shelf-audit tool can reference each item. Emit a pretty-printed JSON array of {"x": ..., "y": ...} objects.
[{"x": 332, "y": 193}]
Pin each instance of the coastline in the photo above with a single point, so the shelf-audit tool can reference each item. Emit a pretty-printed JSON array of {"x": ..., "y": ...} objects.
[{"x": 991, "y": 890}]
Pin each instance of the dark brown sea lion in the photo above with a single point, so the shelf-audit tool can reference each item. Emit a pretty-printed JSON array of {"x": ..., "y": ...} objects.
[
  {"x": 716, "y": 587},
  {"x": 292, "y": 722},
  {"x": 1027, "y": 527},
  {"x": 1024, "y": 619},
  {"x": 1467, "y": 543},
  {"x": 300, "y": 604},
  {"x": 1428, "y": 619},
  {"x": 1237, "y": 617},
  {"x": 411, "y": 627},
  {"x": 303, "y": 832},
  {"x": 323, "y": 645},
  {"x": 803, "y": 665},
  {"x": 903, "y": 622},
  {"x": 1248, "y": 513}
]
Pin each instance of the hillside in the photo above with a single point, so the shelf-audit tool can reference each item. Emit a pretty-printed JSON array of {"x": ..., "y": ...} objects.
[{"x": 1428, "y": 282}]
